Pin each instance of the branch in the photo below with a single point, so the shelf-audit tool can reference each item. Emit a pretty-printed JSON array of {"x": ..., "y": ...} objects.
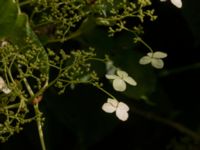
[
  {"x": 37, "y": 113},
  {"x": 181, "y": 128},
  {"x": 179, "y": 70}
]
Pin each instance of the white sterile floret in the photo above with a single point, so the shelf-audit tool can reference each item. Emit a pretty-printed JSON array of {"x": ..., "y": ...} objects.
[
  {"x": 111, "y": 69},
  {"x": 154, "y": 58},
  {"x": 3, "y": 86},
  {"x": 177, "y": 3},
  {"x": 120, "y": 80},
  {"x": 3, "y": 43},
  {"x": 120, "y": 108}
]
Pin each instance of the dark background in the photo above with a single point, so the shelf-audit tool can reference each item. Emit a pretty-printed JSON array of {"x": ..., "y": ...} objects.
[{"x": 74, "y": 121}]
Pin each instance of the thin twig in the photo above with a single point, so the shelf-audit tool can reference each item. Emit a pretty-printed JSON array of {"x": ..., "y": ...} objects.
[
  {"x": 179, "y": 70},
  {"x": 179, "y": 127},
  {"x": 25, "y": 3}
]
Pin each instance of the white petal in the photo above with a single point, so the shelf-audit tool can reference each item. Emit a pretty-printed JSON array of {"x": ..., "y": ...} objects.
[
  {"x": 177, "y": 3},
  {"x": 107, "y": 107},
  {"x": 122, "y": 111},
  {"x": 6, "y": 90},
  {"x": 113, "y": 102},
  {"x": 157, "y": 63},
  {"x": 108, "y": 76},
  {"x": 111, "y": 69},
  {"x": 122, "y": 115},
  {"x": 130, "y": 81},
  {"x": 2, "y": 83},
  {"x": 123, "y": 106},
  {"x": 119, "y": 85},
  {"x": 121, "y": 73},
  {"x": 109, "y": 64},
  {"x": 159, "y": 54},
  {"x": 145, "y": 60},
  {"x": 4, "y": 43},
  {"x": 150, "y": 54}
]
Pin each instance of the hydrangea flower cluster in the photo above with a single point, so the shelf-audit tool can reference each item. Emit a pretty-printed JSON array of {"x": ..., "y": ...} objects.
[
  {"x": 119, "y": 84},
  {"x": 121, "y": 78}
]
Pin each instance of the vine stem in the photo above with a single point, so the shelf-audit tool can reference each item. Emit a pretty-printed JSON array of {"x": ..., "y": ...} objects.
[
  {"x": 39, "y": 126},
  {"x": 179, "y": 127},
  {"x": 37, "y": 113}
]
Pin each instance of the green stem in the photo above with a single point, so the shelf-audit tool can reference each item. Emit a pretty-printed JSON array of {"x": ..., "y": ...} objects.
[
  {"x": 39, "y": 126},
  {"x": 37, "y": 113},
  {"x": 97, "y": 59},
  {"x": 12, "y": 106},
  {"x": 138, "y": 38},
  {"x": 73, "y": 35},
  {"x": 107, "y": 93},
  {"x": 25, "y": 2},
  {"x": 146, "y": 45},
  {"x": 65, "y": 69}
]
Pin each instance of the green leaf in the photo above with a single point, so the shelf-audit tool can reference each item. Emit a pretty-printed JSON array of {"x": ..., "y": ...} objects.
[
  {"x": 8, "y": 14},
  {"x": 14, "y": 27}
]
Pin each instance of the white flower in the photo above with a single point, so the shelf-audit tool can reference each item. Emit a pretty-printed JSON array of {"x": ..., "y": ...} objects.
[
  {"x": 111, "y": 69},
  {"x": 177, "y": 3},
  {"x": 3, "y": 86},
  {"x": 3, "y": 43},
  {"x": 154, "y": 58},
  {"x": 120, "y": 108},
  {"x": 120, "y": 80}
]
